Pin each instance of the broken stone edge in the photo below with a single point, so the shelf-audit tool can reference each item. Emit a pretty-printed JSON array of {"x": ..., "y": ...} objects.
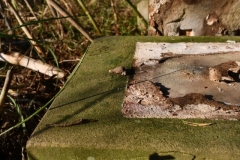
[
  {"x": 145, "y": 100},
  {"x": 150, "y": 54}
]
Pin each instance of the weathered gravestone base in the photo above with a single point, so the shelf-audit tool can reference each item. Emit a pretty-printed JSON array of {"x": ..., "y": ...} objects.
[
  {"x": 184, "y": 80},
  {"x": 94, "y": 94}
]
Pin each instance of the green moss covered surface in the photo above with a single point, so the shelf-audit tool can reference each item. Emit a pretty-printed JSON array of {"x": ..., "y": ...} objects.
[{"x": 93, "y": 93}]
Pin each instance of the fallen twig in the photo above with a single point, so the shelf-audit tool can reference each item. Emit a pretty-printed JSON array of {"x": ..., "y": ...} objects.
[{"x": 18, "y": 59}]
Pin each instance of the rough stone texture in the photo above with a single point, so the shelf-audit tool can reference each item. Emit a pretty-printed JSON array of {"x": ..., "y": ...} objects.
[
  {"x": 145, "y": 100},
  {"x": 184, "y": 80},
  {"x": 194, "y": 17},
  {"x": 151, "y": 53}
]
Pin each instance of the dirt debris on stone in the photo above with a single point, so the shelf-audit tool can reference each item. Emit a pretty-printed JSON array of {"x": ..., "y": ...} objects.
[
  {"x": 145, "y": 93},
  {"x": 198, "y": 98},
  {"x": 228, "y": 71},
  {"x": 145, "y": 100},
  {"x": 118, "y": 70}
]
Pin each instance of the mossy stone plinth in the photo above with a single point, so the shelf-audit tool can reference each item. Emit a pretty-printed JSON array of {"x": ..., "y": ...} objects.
[{"x": 93, "y": 93}]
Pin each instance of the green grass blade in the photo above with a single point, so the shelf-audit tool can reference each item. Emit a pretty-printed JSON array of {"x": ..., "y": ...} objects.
[
  {"x": 19, "y": 112},
  {"x": 53, "y": 54}
]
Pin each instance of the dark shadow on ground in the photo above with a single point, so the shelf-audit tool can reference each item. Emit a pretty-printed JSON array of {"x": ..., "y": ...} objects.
[
  {"x": 163, "y": 89},
  {"x": 155, "y": 156}
]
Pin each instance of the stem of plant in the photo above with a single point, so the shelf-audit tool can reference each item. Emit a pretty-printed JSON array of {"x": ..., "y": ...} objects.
[
  {"x": 5, "y": 89},
  {"x": 137, "y": 13},
  {"x": 89, "y": 16},
  {"x": 19, "y": 112},
  {"x": 114, "y": 12}
]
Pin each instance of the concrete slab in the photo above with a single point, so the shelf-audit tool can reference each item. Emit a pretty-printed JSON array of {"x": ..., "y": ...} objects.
[
  {"x": 172, "y": 80},
  {"x": 93, "y": 93}
]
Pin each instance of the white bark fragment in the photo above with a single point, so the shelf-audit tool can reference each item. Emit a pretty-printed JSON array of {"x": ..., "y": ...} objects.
[{"x": 18, "y": 59}]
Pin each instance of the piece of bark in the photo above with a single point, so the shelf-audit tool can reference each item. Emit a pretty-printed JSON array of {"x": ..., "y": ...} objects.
[
  {"x": 118, "y": 70},
  {"x": 17, "y": 58},
  {"x": 225, "y": 72}
]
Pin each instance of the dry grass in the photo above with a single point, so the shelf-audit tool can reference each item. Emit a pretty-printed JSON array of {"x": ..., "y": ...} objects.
[{"x": 62, "y": 45}]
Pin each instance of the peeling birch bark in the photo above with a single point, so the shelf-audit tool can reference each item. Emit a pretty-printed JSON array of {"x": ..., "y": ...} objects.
[{"x": 18, "y": 59}]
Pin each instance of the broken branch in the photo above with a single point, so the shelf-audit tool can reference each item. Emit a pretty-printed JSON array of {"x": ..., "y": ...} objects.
[{"x": 18, "y": 59}]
